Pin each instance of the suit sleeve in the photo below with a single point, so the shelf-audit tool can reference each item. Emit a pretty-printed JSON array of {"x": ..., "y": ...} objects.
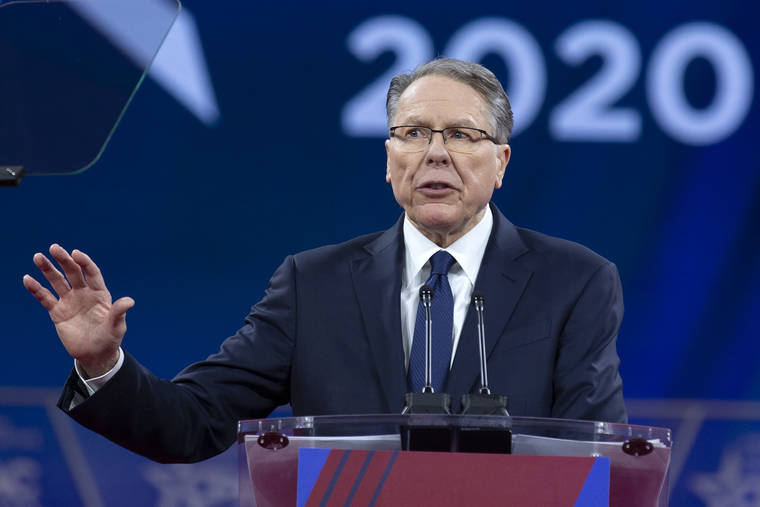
[
  {"x": 587, "y": 383},
  {"x": 195, "y": 415}
]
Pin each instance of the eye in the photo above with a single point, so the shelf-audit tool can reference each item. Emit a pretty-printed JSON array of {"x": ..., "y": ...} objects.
[
  {"x": 414, "y": 132},
  {"x": 460, "y": 134}
]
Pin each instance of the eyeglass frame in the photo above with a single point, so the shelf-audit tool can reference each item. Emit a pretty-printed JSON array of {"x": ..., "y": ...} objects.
[{"x": 486, "y": 135}]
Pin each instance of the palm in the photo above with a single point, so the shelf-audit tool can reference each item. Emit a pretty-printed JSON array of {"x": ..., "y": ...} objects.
[{"x": 81, "y": 318}]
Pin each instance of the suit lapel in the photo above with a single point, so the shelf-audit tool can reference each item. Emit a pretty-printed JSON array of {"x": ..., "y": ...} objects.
[
  {"x": 377, "y": 282},
  {"x": 501, "y": 280}
]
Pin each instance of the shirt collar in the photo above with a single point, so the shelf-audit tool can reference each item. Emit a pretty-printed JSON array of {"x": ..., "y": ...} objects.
[{"x": 467, "y": 251}]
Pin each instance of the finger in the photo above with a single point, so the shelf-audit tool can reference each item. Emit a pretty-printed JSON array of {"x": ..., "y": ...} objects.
[
  {"x": 71, "y": 268},
  {"x": 119, "y": 315},
  {"x": 42, "y": 295},
  {"x": 90, "y": 269},
  {"x": 120, "y": 307},
  {"x": 56, "y": 279}
]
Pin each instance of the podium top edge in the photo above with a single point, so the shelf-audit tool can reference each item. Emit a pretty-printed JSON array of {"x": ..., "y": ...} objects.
[{"x": 358, "y": 425}]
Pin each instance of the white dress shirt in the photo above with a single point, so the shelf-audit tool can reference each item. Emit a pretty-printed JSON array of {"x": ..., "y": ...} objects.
[
  {"x": 95, "y": 383},
  {"x": 467, "y": 251}
]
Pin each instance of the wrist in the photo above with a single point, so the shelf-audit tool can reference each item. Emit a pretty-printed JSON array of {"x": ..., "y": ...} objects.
[{"x": 97, "y": 367}]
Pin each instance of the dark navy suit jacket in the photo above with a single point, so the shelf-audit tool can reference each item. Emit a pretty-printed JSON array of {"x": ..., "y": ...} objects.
[{"x": 326, "y": 338}]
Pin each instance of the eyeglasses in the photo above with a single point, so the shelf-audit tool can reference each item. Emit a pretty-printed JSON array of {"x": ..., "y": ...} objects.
[{"x": 414, "y": 138}]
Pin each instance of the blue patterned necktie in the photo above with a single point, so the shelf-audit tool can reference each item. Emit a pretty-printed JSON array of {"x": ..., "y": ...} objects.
[{"x": 442, "y": 318}]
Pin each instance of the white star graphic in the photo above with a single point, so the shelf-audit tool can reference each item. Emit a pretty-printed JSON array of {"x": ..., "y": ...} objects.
[
  {"x": 199, "y": 485},
  {"x": 19, "y": 482},
  {"x": 736, "y": 483}
]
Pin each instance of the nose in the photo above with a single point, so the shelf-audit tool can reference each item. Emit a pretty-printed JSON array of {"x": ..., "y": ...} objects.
[{"x": 437, "y": 153}]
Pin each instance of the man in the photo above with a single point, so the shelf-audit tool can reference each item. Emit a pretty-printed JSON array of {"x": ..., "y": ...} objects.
[{"x": 336, "y": 330}]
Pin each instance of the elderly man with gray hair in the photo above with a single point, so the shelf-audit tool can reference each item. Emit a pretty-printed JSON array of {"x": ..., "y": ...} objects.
[{"x": 340, "y": 329}]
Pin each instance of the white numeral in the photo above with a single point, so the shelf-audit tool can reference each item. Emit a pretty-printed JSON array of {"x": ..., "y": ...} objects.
[
  {"x": 587, "y": 114},
  {"x": 521, "y": 54},
  {"x": 733, "y": 77},
  {"x": 364, "y": 114}
]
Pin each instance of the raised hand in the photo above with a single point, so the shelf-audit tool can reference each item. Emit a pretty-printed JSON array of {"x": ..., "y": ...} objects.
[{"x": 88, "y": 323}]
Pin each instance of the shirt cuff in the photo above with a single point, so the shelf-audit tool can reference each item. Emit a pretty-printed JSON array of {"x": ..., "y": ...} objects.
[{"x": 95, "y": 383}]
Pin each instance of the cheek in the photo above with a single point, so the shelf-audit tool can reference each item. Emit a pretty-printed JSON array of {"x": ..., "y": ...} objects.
[
  {"x": 399, "y": 172},
  {"x": 396, "y": 177},
  {"x": 479, "y": 184}
]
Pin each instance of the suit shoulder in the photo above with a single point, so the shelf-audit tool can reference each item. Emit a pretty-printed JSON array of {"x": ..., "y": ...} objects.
[
  {"x": 559, "y": 251},
  {"x": 346, "y": 250}
]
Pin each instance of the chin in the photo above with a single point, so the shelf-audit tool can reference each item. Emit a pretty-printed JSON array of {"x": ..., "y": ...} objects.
[{"x": 437, "y": 220}]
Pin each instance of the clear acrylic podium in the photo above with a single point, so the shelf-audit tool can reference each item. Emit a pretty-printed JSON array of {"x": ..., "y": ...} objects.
[{"x": 638, "y": 456}]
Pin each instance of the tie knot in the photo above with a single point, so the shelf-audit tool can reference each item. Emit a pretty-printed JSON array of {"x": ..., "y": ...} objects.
[{"x": 441, "y": 262}]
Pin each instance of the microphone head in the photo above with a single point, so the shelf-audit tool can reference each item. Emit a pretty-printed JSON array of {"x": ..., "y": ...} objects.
[
  {"x": 477, "y": 297},
  {"x": 426, "y": 291}
]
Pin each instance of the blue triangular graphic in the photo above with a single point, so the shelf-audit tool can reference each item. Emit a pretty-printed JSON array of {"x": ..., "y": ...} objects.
[
  {"x": 310, "y": 464},
  {"x": 596, "y": 489}
]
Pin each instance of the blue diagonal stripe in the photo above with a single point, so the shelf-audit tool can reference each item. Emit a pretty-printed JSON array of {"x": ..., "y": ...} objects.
[
  {"x": 334, "y": 479},
  {"x": 359, "y": 478},
  {"x": 383, "y": 478}
]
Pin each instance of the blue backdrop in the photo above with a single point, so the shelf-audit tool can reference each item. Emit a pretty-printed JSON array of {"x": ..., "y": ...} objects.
[{"x": 259, "y": 133}]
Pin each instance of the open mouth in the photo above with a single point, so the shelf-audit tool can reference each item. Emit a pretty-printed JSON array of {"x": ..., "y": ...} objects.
[
  {"x": 435, "y": 189},
  {"x": 435, "y": 186}
]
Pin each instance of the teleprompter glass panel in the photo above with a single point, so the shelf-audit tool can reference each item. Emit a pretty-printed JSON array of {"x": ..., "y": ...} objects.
[{"x": 69, "y": 69}]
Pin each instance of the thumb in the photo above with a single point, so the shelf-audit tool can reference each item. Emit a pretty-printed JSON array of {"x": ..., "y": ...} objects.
[{"x": 118, "y": 314}]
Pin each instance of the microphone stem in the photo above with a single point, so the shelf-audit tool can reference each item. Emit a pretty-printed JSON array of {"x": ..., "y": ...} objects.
[
  {"x": 428, "y": 346},
  {"x": 482, "y": 346}
]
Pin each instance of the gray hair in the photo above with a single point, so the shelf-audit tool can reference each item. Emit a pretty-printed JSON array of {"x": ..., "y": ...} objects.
[{"x": 474, "y": 75}]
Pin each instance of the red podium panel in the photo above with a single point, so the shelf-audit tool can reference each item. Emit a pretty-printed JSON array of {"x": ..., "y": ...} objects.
[{"x": 345, "y": 477}]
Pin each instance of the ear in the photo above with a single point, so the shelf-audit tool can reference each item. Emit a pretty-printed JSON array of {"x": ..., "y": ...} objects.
[
  {"x": 503, "y": 154},
  {"x": 387, "y": 161}
]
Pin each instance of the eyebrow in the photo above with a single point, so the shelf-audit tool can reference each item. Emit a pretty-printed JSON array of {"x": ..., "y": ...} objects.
[{"x": 416, "y": 120}]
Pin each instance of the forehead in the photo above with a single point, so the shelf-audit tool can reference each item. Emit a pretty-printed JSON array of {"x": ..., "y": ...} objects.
[{"x": 438, "y": 101}]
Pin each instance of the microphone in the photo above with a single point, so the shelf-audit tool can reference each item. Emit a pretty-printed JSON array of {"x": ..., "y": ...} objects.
[
  {"x": 483, "y": 402},
  {"x": 417, "y": 434},
  {"x": 426, "y": 295},
  {"x": 427, "y": 401},
  {"x": 479, "y": 301},
  {"x": 484, "y": 439}
]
